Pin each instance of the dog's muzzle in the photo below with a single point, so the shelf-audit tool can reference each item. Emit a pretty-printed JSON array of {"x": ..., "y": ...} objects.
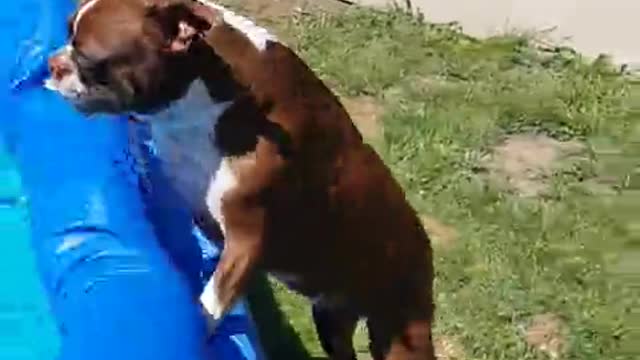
[{"x": 64, "y": 76}]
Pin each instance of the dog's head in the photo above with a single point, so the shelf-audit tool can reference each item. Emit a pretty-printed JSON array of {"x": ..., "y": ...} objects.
[{"x": 129, "y": 55}]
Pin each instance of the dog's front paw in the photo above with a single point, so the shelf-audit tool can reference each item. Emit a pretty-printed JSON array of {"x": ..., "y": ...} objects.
[
  {"x": 211, "y": 323},
  {"x": 211, "y": 308}
]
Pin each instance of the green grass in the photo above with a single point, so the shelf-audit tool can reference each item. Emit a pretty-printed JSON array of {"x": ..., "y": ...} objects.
[{"x": 448, "y": 98}]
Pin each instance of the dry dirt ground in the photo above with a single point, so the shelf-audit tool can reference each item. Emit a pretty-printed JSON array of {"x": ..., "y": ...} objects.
[
  {"x": 273, "y": 9},
  {"x": 525, "y": 163},
  {"x": 547, "y": 334}
]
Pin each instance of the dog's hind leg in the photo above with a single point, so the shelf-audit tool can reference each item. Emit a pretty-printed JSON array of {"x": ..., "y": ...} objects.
[
  {"x": 404, "y": 340},
  {"x": 335, "y": 325}
]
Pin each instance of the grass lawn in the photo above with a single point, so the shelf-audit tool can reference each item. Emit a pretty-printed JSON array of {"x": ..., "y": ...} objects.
[{"x": 526, "y": 167}]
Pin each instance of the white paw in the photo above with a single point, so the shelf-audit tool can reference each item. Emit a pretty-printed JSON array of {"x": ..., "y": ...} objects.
[
  {"x": 210, "y": 322},
  {"x": 211, "y": 307}
]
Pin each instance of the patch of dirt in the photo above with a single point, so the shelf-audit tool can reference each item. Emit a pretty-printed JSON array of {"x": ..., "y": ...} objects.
[
  {"x": 276, "y": 14},
  {"x": 441, "y": 235},
  {"x": 447, "y": 348},
  {"x": 270, "y": 9},
  {"x": 365, "y": 112},
  {"x": 267, "y": 8},
  {"x": 547, "y": 333},
  {"x": 525, "y": 163}
]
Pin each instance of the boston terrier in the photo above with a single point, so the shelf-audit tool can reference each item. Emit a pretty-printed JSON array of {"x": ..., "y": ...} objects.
[{"x": 266, "y": 156}]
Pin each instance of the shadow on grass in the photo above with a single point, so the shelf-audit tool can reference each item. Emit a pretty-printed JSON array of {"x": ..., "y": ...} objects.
[{"x": 279, "y": 339}]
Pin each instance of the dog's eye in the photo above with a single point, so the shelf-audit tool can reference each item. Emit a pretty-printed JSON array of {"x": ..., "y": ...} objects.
[
  {"x": 96, "y": 73},
  {"x": 100, "y": 73},
  {"x": 77, "y": 57},
  {"x": 92, "y": 71}
]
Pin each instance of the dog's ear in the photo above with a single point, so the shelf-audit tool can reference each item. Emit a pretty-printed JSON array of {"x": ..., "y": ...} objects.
[{"x": 182, "y": 22}]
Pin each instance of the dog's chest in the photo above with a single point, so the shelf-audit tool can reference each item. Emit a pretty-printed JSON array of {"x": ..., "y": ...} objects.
[{"x": 183, "y": 137}]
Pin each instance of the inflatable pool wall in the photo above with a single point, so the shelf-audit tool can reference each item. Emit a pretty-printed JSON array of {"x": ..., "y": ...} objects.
[{"x": 119, "y": 263}]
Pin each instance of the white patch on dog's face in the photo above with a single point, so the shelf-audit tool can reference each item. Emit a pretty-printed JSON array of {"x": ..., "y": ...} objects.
[
  {"x": 70, "y": 86},
  {"x": 69, "y": 82}
]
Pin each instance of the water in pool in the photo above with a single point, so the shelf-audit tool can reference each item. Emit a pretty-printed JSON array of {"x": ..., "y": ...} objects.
[{"x": 27, "y": 330}]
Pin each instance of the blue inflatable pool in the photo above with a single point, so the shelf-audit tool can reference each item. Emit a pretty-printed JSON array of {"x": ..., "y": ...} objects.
[{"x": 98, "y": 259}]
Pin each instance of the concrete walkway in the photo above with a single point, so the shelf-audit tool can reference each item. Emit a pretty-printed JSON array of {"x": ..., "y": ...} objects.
[{"x": 591, "y": 26}]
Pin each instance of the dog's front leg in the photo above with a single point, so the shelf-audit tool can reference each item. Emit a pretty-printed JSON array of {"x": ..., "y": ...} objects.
[
  {"x": 241, "y": 252},
  {"x": 243, "y": 213}
]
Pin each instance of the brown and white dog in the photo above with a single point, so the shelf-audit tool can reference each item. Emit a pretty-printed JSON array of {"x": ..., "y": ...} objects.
[{"x": 256, "y": 143}]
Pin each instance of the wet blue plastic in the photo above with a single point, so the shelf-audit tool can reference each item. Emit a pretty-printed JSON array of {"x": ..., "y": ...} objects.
[{"x": 119, "y": 260}]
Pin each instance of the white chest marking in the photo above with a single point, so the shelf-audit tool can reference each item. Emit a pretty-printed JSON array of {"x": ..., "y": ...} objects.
[
  {"x": 84, "y": 8},
  {"x": 221, "y": 182},
  {"x": 183, "y": 136},
  {"x": 259, "y": 36}
]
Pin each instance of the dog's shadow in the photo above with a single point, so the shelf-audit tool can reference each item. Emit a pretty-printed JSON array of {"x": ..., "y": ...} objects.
[{"x": 279, "y": 339}]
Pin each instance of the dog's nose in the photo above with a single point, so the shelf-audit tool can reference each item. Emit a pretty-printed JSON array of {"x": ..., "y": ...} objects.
[{"x": 59, "y": 67}]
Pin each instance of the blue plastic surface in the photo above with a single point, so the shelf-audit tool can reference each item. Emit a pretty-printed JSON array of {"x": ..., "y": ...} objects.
[{"x": 120, "y": 262}]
